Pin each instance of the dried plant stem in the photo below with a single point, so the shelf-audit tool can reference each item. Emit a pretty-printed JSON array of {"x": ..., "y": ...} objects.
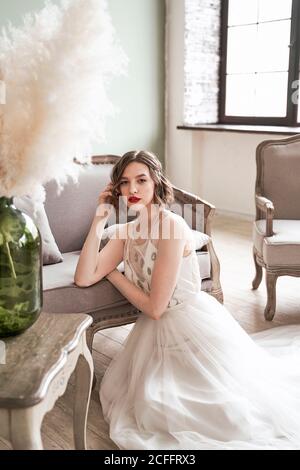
[{"x": 11, "y": 263}]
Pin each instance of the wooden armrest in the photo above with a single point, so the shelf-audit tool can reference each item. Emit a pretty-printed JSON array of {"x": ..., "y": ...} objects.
[
  {"x": 266, "y": 206},
  {"x": 185, "y": 197},
  {"x": 105, "y": 159}
]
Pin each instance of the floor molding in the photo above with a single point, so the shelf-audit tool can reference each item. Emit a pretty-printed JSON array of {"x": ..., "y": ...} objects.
[{"x": 235, "y": 215}]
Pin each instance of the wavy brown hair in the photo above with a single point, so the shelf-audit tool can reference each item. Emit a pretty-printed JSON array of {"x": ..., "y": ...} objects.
[{"x": 163, "y": 190}]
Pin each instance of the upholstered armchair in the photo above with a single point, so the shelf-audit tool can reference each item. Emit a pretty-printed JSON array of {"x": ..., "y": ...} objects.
[
  {"x": 70, "y": 215},
  {"x": 276, "y": 230}
]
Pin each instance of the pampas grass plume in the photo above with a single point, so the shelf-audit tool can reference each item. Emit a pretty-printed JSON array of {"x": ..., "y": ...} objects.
[{"x": 56, "y": 69}]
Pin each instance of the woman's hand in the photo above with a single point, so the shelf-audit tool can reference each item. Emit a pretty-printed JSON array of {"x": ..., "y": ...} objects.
[
  {"x": 106, "y": 195},
  {"x": 105, "y": 199}
]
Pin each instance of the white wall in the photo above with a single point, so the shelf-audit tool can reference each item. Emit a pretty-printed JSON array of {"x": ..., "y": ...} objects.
[
  {"x": 218, "y": 166},
  {"x": 224, "y": 166},
  {"x": 139, "y": 97}
]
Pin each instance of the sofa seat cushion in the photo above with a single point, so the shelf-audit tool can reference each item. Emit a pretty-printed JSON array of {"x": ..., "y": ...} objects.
[
  {"x": 61, "y": 295},
  {"x": 63, "y": 275},
  {"x": 283, "y": 248},
  {"x": 204, "y": 264}
]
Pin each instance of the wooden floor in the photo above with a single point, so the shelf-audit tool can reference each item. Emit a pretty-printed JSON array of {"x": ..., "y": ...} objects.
[{"x": 232, "y": 240}]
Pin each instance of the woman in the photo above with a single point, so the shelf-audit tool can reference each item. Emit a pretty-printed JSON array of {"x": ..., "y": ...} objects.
[{"x": 189, "y": 377}]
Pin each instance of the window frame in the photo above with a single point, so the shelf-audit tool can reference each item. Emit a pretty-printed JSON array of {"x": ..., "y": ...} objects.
[{"x": 291, "y": 118}]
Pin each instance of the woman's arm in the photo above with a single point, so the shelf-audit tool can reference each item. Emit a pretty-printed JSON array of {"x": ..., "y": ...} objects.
[
  {"x": 163, "y": 282},
  {"x": 92, "y": 265},
  {"x": 87, "y": 263},
  {"x": 134, "y": 294}
]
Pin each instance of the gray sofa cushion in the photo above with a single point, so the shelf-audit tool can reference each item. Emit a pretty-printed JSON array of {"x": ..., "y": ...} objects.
[
  {"x": 36, "y": 211},
  {"x": 280, "y": 169},
  {"x": 283, "y": 248},
  {"x": 71, "y": 212},
  {"x": 62, "y": 295},
  {"x": 204, "y": 265}
]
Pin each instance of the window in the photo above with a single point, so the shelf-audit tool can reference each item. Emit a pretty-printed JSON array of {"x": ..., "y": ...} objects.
[{"x": 260, "y": 47}]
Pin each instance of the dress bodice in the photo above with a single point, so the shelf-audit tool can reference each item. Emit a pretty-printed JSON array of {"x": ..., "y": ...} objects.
[{"x": 139, "y": 260}]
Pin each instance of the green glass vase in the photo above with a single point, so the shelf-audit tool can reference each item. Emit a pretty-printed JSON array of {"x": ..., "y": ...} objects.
[{"x": 20, "y": 270}]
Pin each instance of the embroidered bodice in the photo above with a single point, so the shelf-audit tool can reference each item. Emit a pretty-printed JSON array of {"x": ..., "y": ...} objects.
[{"x": 139, "y": 261}]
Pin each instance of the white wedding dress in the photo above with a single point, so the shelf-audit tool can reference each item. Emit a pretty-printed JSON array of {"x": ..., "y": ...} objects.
[{"x": 195, "y": 379}]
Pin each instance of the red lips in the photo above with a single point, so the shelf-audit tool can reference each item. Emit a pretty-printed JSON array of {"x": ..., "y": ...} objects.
[{"x": 134, "y": 199}]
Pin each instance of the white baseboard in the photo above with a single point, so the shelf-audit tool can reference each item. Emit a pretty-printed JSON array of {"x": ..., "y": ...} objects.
[{"x": 235, "y": 215}]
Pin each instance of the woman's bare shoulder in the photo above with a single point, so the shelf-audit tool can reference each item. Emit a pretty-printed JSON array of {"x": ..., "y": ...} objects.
[{"x": 174, "y": 227}]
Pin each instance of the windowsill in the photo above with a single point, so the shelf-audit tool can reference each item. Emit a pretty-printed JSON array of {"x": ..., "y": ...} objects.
[{"x": 242, "y": 128}]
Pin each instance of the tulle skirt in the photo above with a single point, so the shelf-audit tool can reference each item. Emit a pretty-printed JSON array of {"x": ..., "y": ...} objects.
[{"x": 196, "y": 380}]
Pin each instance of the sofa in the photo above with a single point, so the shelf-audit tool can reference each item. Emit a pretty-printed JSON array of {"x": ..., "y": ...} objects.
[{"x": 70, "y": 214}]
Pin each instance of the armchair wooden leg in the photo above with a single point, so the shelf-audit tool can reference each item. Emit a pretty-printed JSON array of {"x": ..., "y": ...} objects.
[
  {"x": 271, "y": 292},
  {"x": 258, "y": 276},
  {"x": 89, "y": 342}
]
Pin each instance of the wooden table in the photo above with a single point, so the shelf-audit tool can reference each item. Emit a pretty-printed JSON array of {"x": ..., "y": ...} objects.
[{"x": 39, "y": 363}]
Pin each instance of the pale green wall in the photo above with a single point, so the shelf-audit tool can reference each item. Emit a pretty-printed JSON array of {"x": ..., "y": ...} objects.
[{"x": 140, "y": 96}]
